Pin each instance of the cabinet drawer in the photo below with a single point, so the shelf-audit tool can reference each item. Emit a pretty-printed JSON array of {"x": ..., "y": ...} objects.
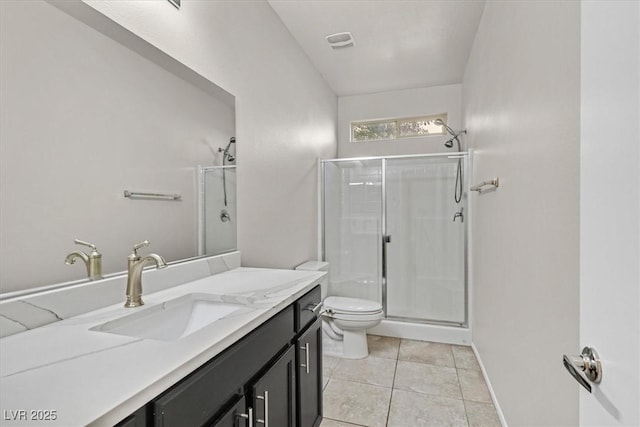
[
  {"x": 304, "y": 308},
  {"x": 202, "y": 395}
]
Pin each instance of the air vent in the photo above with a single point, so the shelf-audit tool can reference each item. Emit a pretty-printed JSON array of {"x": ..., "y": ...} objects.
[{"x": 340, "y": 40}]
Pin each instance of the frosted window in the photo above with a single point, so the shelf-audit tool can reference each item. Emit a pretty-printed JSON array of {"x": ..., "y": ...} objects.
[{"x": 377, "y": 130}]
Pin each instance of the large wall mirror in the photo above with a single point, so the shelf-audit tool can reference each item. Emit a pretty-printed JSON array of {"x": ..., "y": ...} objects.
[{"x": 89, "y": 110}]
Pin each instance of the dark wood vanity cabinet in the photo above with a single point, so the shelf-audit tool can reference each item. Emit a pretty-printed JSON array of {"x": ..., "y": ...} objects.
[
  {"x": 271, "y": 377},
  {"x": 309, "y": 347},
  {"x": 274, "y": 394}
]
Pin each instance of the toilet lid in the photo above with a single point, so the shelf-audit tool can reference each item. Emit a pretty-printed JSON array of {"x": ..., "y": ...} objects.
[{"x": 351, "y": 305}]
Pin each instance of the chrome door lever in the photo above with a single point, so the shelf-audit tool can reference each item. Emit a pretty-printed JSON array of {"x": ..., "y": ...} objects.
[{"x": 584, "y": 368}]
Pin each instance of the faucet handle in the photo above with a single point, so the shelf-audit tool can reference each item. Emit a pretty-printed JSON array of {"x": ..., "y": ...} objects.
[
  {"x": 82, "y": 242},
  {"x": 94, "y": 251},
  {"x": 139, "y": 245}
]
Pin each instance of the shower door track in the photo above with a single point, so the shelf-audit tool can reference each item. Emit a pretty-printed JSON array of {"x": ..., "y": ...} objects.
[
  {"x": 427, "y": 321},
  {"x": 383, "y": 159}
]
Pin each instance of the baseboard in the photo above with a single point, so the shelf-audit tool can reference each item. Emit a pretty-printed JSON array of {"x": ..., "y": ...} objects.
[{"x": 486, "y": 380}]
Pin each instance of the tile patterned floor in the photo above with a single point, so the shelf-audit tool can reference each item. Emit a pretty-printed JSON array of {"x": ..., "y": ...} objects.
[{"x": 406, "y": 383}]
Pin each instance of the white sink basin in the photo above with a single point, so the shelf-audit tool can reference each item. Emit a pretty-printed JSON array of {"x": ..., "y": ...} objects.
[{"x": 173, "y": 319}]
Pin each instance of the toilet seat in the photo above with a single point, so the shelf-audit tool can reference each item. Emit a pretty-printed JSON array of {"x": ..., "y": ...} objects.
[
  {"x": 357, "y": 317},
  {"x": 352, "y": 306}
]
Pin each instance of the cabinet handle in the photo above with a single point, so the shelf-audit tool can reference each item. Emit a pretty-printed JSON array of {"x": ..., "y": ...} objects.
[
  {"x": 313, "y": 307},
  {"x": 266, "y": 409},
  {"x": 306, "y": 357},
  {"x": 248, "y": 417}
]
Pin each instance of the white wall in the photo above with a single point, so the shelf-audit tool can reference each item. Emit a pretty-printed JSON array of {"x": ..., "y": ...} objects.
[
  {"x": 400, "y": 103},
  {"x": 82, "y": 119},
  {"x": 521, "y": 104},
  {"x": 610, "y": 208},
  {"x": 285, "y": 112}
]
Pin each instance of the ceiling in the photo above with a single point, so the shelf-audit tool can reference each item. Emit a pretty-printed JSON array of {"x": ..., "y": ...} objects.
[{"x": 399, "y": 44}]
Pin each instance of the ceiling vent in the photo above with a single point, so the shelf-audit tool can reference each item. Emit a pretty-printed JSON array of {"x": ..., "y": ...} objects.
[{"x": 340, "y": 40}]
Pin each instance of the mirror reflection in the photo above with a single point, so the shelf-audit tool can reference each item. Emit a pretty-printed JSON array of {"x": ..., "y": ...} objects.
[{"x": 85, "y": 118}]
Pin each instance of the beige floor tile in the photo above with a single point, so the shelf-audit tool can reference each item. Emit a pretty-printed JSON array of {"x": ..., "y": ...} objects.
[
  {"x": 386, "y": 347},
  {"x": 465, "y": 358},
  {"x": 410, "y": 409},
  {"x": 473, "y": 386},
  {"x": 481, "y": 414},
  {"x": 429, "y": 379},
  {"x": 356, "y": 403},
  {"x": 426, "y": 352},
  {"x": 329, "y": 363},
  {"x": 370, "y": 370}
]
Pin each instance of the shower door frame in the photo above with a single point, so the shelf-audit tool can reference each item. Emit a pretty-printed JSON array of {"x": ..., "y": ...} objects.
[{"x": 467, "y": 156}]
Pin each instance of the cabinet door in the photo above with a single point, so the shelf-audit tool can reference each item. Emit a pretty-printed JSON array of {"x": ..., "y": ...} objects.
[
  {"x": 237, "y": 416},
  {"x": 309, "y": 349},
  {"x": 274, "y": 396}
]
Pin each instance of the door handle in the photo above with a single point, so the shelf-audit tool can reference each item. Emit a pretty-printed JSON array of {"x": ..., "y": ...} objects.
[
  {"x": 385, "y": 239},
  {"x": 585, "y": 368},
  {"x": 248, "y": 416},
  {"x": 265, "y": 421},
  {"x": 305, "y": 365}
]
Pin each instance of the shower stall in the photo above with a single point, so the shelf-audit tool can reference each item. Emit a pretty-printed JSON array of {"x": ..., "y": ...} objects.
[
  {"x": 394, "y": 230},
  {"x": 217, "y": 213}
]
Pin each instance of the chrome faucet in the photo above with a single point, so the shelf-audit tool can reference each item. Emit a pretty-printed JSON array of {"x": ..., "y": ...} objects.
[
  {"x": 93, "y": 261},
  {"x": 135, "y": 265}
]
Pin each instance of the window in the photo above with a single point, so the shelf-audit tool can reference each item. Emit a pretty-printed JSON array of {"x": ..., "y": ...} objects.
[{"x": 376, "y": 130}]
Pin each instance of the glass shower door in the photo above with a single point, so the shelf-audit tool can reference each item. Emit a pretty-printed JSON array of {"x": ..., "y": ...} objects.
[
  {"x": 353, "y": 227},
  {"x": 426, "y": 254}
]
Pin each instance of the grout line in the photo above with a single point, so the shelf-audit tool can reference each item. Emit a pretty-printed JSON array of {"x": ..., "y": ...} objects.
[
  {"x": 393, "y": 386},
  {"x": 343, "y": 422}
]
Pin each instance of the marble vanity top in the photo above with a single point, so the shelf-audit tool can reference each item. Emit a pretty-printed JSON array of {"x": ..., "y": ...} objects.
[{"x": 89, "y": 377}]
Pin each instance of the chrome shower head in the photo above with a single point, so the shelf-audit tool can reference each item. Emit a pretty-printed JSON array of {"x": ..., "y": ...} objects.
[
  {"x": 449, "y": 143},
  {"x": 226, "y": 154}
]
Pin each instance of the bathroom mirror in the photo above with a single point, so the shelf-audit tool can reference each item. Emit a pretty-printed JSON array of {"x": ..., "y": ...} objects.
[{"x": 90, "y": 110}]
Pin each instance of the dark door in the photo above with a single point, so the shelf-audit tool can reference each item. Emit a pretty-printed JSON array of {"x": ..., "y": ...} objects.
[
  {"x": 309, "y": 349},
  {"x": 274, "y": 396},
  {"x": 237, "y": 416}
]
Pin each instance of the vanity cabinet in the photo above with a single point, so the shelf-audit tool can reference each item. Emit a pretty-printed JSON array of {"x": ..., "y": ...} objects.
[
  {"x": 274, "y": 394},
  {"x": 236, "y": 416},
  {"x": 309, "y": 355},
  {"x": 270, "y": 377}
]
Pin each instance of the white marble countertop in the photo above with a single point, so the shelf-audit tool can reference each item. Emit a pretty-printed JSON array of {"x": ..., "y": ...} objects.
[{"x": 98, "y": 378}]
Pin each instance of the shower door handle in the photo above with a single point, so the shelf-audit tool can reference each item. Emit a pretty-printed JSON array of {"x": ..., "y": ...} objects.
[{"x": 385, "y": 239}]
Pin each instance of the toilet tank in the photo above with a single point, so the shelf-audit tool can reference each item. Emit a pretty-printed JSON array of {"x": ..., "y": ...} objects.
[{"x": 317, "y": 266}]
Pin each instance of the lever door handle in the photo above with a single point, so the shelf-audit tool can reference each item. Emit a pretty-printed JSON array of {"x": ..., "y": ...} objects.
[{"x": 585, "y": 368}]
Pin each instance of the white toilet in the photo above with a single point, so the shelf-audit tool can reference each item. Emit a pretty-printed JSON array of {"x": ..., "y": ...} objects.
[{"x": 345, "y": 320}]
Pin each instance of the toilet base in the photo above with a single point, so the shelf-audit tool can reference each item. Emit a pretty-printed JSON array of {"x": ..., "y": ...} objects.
[{"x": 353, "y": 346}]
